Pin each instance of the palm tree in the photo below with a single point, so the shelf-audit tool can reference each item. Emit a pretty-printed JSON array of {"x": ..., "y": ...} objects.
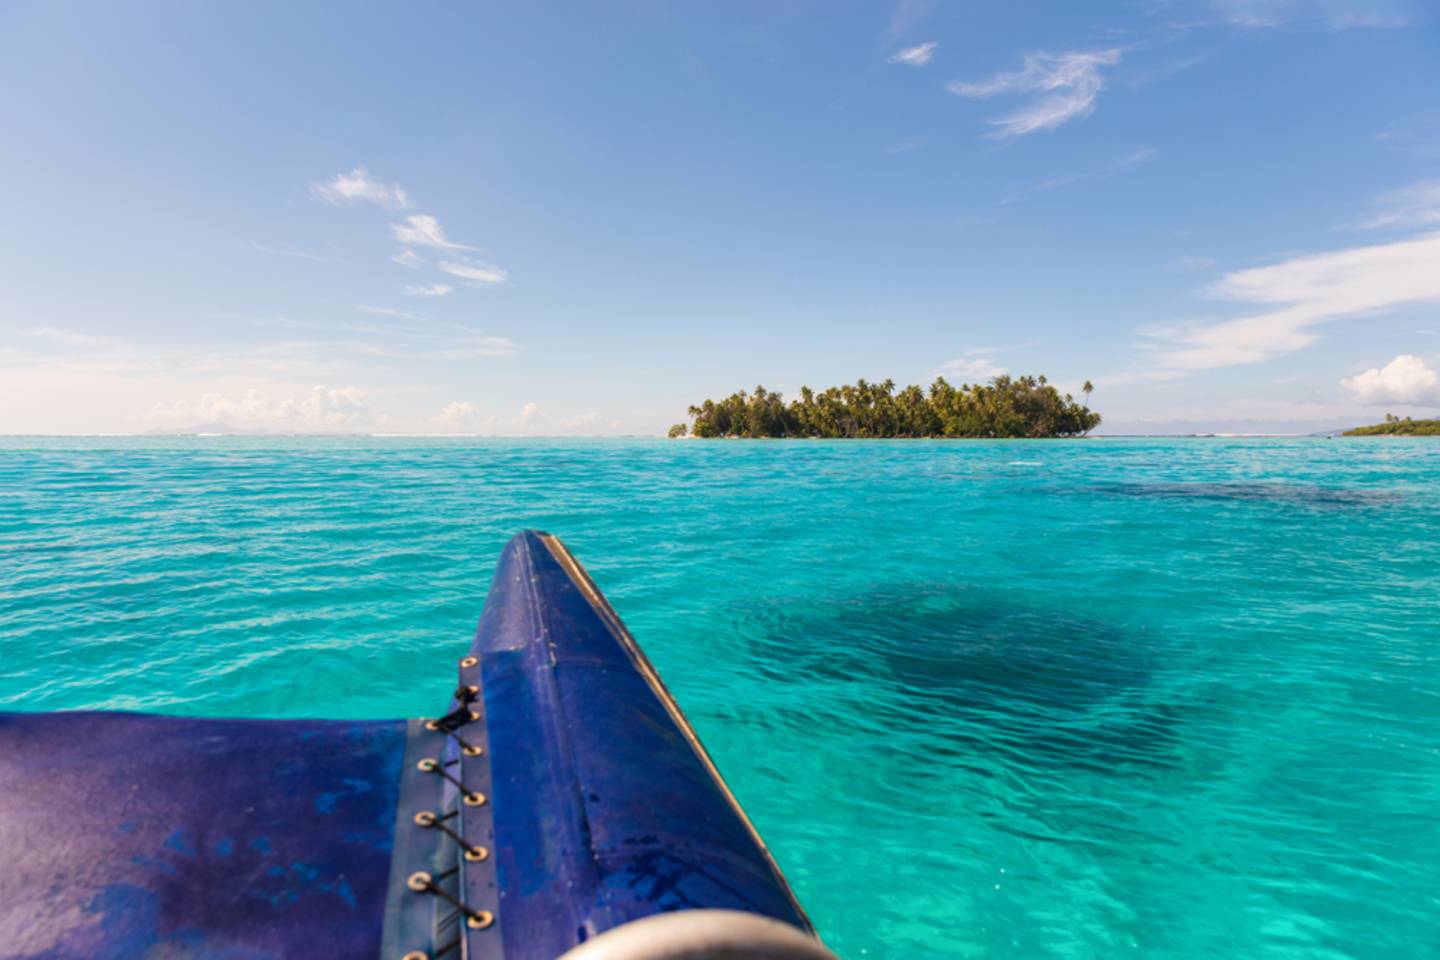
[
  {"x": 1021, "y": 406},
  {"x": 1087, "y": 388}
]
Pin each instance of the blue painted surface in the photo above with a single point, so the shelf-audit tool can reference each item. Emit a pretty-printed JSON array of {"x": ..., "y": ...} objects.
[
  {"x": 127, "y": 836},
  {"x": 604, "y": 812}
]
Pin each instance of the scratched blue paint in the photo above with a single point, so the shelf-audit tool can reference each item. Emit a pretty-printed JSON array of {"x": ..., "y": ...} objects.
[
  {"x": 133, "y": 833},
  {"x": 344, "y": 892},
  {"x": 176, "y": 842}
]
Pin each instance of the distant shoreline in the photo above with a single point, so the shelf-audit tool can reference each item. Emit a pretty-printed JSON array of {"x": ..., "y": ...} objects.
[
  {"x": 1326, "y": 435},
  {"x": 1397, "y": 427}
]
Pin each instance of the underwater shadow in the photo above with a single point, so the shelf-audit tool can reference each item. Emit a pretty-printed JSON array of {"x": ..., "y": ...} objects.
[
  {"x": 1280, "y": 493},
  {"x": 972, "y": 673}
]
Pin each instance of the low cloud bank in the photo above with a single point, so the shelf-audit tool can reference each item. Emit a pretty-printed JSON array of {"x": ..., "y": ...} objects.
[{"x": 322, "y": 409}]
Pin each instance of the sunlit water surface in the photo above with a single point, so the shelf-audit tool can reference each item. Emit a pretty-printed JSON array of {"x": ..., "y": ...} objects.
[{"x": 1170, "y": 698}]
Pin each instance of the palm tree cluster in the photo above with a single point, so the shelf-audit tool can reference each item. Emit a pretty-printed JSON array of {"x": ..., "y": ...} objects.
[
  {"x": 1399, "y": 427},
  {"x": 1005, "y": 407}
]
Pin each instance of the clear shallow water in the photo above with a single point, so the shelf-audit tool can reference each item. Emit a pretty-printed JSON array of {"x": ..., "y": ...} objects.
[{"x": 1171, "y": 698}]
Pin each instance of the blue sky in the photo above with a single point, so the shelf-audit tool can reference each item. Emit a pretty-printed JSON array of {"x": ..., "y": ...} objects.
[{"x": 575, "y": 219}]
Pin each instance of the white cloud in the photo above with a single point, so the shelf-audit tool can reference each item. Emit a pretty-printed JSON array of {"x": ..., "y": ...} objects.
[
  {"x": 581, "y": 421},
  {"x": 324, "y": 408},
  {"x": 916, "y": 56},
  {"x": 1415, "y": 205},
  {"x": 433, "y": 290},
  {"x": 423, "y": 230},
  {"x": 1067, "y": 82},
  {"x": 409, "y": 259},
  {"x": 414, "y": 230},
  {"x": 475, "y": 272},
  {"x": 462, "y": 416},
  {"x": 1305, "y": 291},
  {"x": 973, "y": 369},
  {"x": 345, "y": 188},
  {"x": 50, "y": 377},
  {"x": 458, "y": 410},
  {"x": 532, "y": 420},
  {"x": 1404, "y": 380}
]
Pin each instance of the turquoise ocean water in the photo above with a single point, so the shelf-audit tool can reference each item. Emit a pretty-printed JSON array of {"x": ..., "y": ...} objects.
[{"x": 1152, "y": 698}]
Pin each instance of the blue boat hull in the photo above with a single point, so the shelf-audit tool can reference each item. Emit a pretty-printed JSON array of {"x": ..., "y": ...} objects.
[{"x": 562, "y": 795}]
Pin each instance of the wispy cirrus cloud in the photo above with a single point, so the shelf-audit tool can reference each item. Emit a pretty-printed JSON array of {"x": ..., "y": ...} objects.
[
  {"x": 1132, "y": 159},
  {"x": 392, "y": 312},
  {"x": 481, "y": 273},
  {"x": 1331, "y": 14},
  {"x": 916, "y": 56},
  {"x": 294, "y": 253},
  {"x": 438, "y": 339},
  {"x": 1415, "y": 205},
  {"x": 414, "y": 230},
  {"x": 423, "y": 230},
  {"x": 74, "y": 340},
  {"x": 1146, "y": 76},
  {"x": 65, "y": 353},
  {"x": 1067, "y": 83},
  {"x": 473, "y": 346},
  {"x": 1302, "y": 292},
  {"x": 433, "y": 290},
  {"x": 359, "y": 186}
]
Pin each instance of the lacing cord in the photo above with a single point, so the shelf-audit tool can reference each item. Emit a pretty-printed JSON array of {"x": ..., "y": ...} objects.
[
  {"x": 473, "y": 852},
  {"x": 431, "y": 765},
  {"x": 421, "y": 881},
  {"x": 465, "y": 694}
]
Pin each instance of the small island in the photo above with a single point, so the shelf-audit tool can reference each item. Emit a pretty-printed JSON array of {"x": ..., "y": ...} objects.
[
  {"x": 1397, "y": 427},
  {"x": 1005, "y": 407}
]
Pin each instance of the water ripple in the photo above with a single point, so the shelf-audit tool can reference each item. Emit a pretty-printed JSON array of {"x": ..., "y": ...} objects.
[{"x": 1001, "y": 699}]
